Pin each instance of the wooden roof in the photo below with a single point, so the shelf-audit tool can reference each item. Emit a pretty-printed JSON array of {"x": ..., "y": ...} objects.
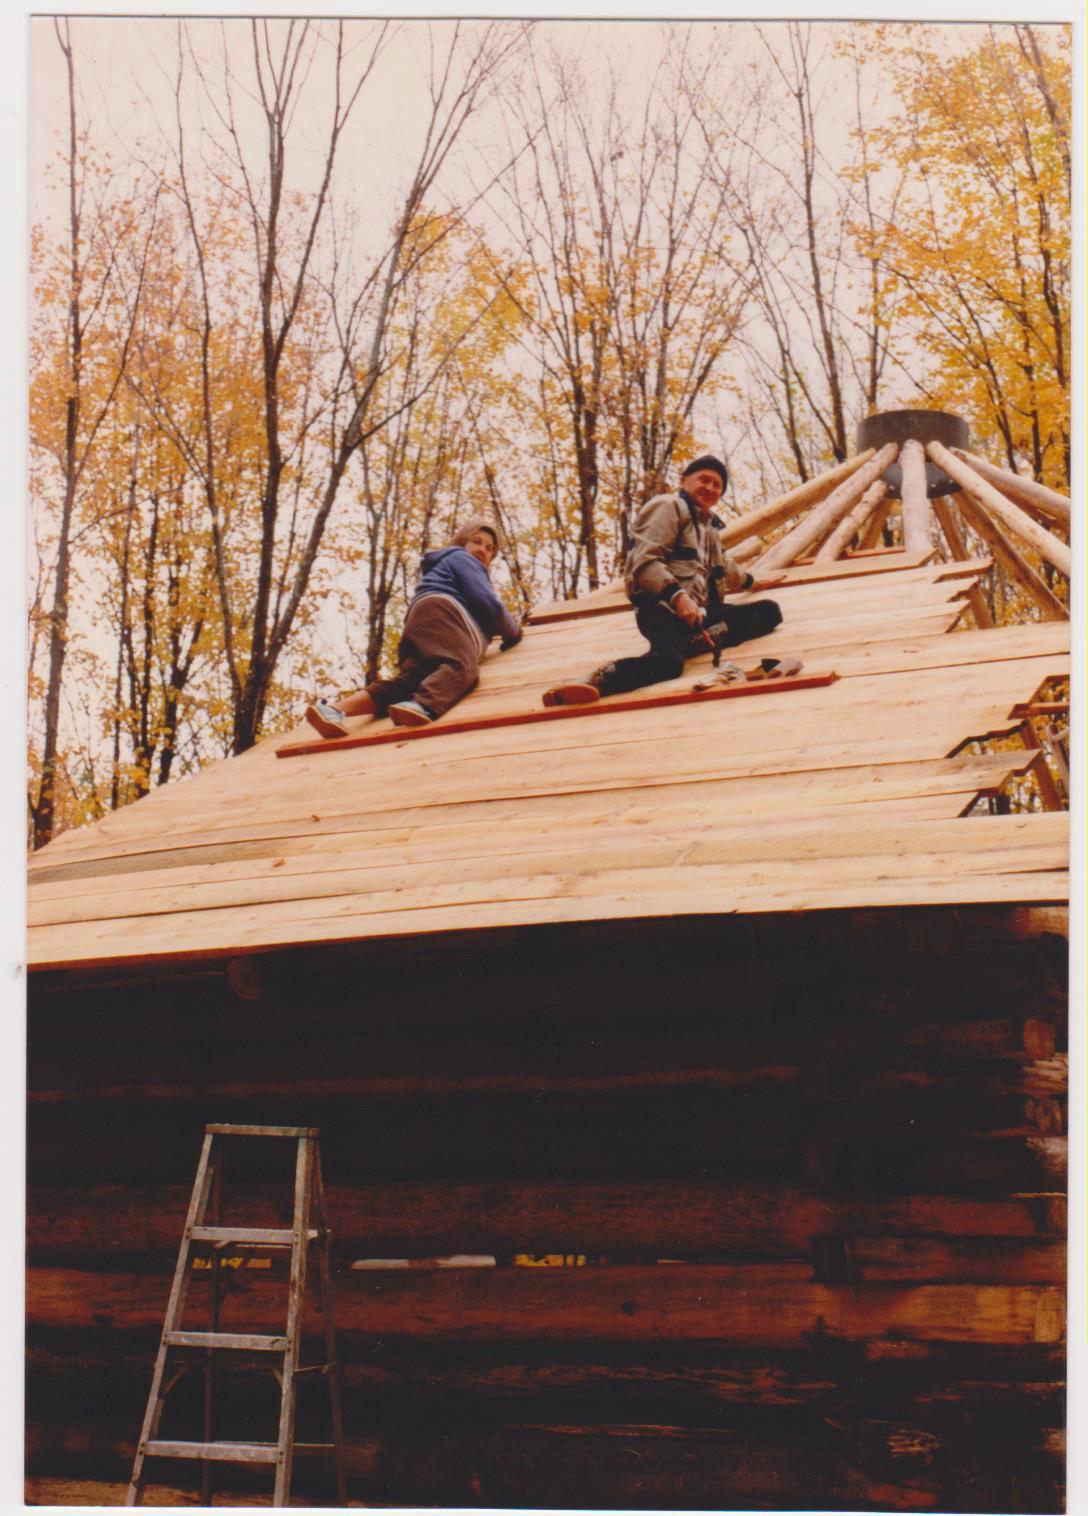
[{"x": 842, "y": 794}]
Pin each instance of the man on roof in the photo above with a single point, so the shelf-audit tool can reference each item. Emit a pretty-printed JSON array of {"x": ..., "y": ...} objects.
[
  {"x": 675, "y": 576},
  {"x": 451, "y": 618}
]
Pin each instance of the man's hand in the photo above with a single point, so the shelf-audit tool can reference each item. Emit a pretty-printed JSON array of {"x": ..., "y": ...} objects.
[
  {"x": 770, "y": 583},
  {"x": 684, "y": 606}
]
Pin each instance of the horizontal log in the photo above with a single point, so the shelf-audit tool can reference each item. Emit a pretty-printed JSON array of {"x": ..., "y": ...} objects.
[
  {"x": 902, "y": 960},
  {"x": 95, "y": 1028},
  {"x": 838, "y": 1068},
  {"x": 630, "y": 1468},
  {"x": 990, "y": 1261},
  {"x": 88, "y": 1376},
  {"x": 622, "y": 1468},
  {"x": 978, "y": 1430},
  {"x": 993, "y": 1164},
  {"x": 628, "y": 1136},
  {"x": 973, "y": 1074},
  {"x": 740, "y": 1304},
  {"x": 658, "y": 1467},
  {"x": 676, "y": 1218}
]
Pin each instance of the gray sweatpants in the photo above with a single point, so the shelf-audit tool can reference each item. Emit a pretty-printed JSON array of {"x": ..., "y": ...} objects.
[{"x": 438, "y": 658}]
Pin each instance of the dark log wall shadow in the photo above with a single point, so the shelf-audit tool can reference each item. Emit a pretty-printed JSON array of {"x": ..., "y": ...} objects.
[{"x": 844, "y": 1132}]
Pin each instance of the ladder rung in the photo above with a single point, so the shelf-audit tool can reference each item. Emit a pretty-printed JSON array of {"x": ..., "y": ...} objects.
[
  {"x": 254, "y": 1343},
  {"x": 220, "y": 1452},
  {"x": 265, "y": 1236},
  {"x": 226, "y": 1129}
]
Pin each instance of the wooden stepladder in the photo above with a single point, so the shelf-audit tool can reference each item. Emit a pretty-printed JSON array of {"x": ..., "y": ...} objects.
[{"x": 223, "y": 1241}]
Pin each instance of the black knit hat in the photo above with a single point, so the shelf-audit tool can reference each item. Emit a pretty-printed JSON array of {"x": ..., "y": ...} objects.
[{"x": 708, "y": 461}]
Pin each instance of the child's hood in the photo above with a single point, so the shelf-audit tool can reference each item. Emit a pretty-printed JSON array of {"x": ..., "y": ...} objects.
[{"x": 437, "y": 554}]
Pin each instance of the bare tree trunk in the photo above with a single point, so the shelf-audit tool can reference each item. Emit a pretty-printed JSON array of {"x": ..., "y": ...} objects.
[
  {"x": 43, "y": 808},
  {"x": 80, "y": 429}
]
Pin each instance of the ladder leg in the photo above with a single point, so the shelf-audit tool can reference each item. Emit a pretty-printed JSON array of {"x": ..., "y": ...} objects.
[
  {"x": 174, "y": 1308},
  {"x": 332, "y": 1371},
  {"x": 216, "y": 1207},
  {"x": 295, "y": 1295}
]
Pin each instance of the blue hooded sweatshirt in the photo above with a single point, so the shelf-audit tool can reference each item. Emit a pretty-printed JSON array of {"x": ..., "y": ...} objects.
[{"x": 455, "y": 572}]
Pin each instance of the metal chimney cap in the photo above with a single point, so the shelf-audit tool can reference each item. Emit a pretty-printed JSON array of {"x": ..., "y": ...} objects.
[{"x": 923, "y": 426}]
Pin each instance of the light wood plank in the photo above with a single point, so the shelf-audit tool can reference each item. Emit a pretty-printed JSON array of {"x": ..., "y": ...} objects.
[
  {"x": 165, "y": 939},
  {"x": 947, "y": 783},
  {"x": 603, "y": 819},
  {"x": 597, "y": 866},
  {"x": 486, "y": 858},
  {"x": 891, "y": 702},
  {"x": 525, "y": 716}
]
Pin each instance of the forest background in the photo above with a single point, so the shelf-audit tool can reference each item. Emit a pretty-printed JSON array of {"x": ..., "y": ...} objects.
[{"x": 303, "y": 293}]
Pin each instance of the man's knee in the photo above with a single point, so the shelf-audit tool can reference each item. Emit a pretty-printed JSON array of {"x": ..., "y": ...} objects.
[
  {"x": 753, "y": 620},
  {"x": 770, "y": 615},
  {"x": 667, "y": 664}
]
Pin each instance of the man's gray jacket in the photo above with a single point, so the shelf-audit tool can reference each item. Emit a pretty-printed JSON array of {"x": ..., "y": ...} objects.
[{"x": 675, "y": 547}]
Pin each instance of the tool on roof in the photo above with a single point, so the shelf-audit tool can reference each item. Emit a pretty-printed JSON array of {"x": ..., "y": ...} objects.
[
  {"x": 767, "y": 668},
  {"x": 281, "y": 1352}
]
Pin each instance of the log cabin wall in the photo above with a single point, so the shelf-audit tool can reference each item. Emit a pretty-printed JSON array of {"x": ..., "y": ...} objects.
[{"x": 813, "y": 1164}]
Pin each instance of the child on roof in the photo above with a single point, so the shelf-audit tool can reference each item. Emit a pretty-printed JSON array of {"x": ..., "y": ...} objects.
[
  {"x": 452, "y": 616},
  {"x": 675, "y": 576}
]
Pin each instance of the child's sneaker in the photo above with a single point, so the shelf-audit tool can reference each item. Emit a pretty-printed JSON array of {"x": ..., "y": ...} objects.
[
  {"x": 326, "y": 718},
  {"x": 410, "y": 713}
]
